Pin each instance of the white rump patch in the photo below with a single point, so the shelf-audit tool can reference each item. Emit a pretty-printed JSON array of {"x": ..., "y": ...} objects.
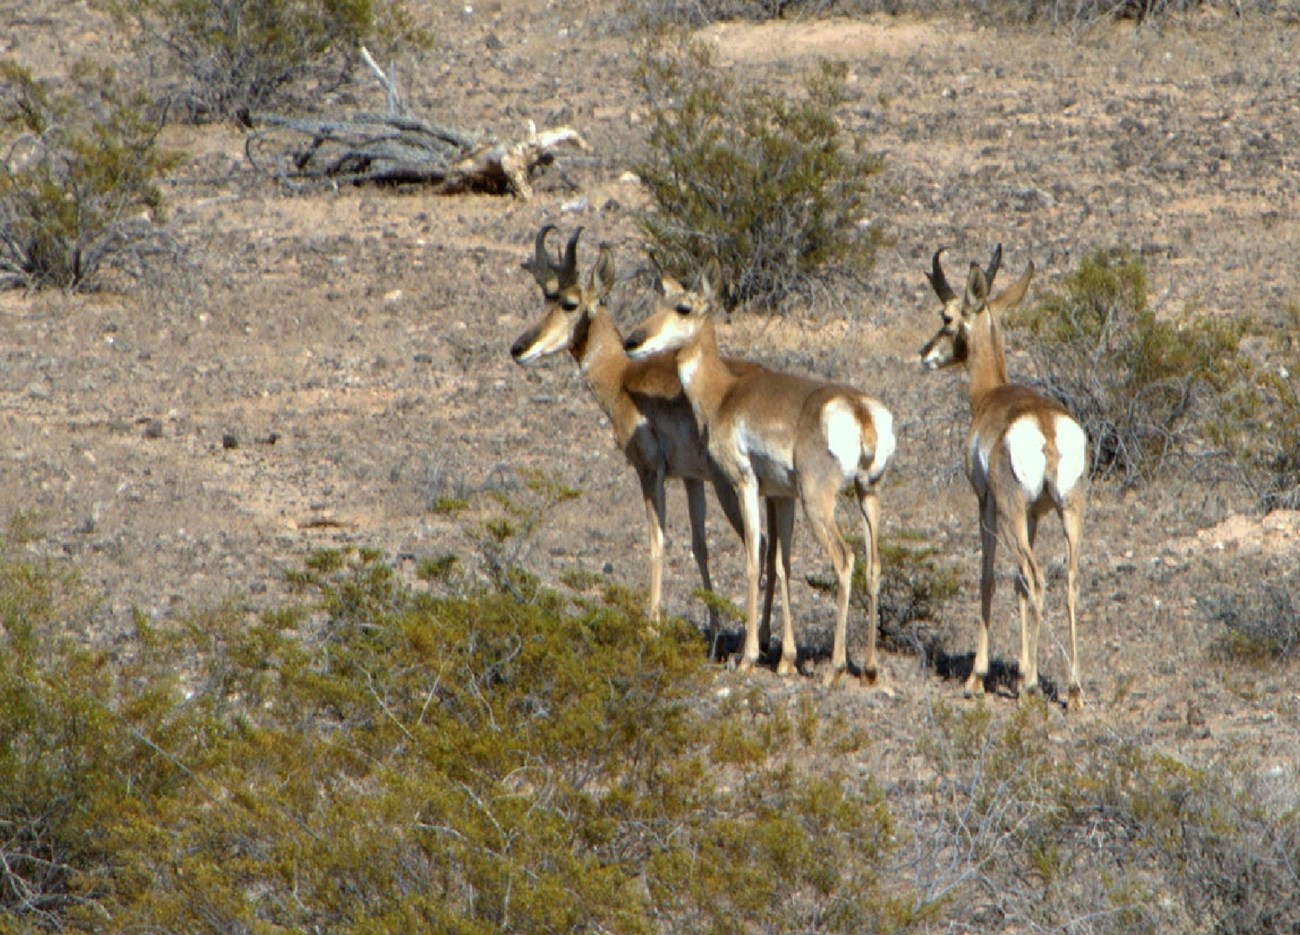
[
  {"x": 843, "y": 434},
  {"x": 1072, "y": 444},
  {"x": 883, "y": 420},
  {"x": 1027, "y": 449}
]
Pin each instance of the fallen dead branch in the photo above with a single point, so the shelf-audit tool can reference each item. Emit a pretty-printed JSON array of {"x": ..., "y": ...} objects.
[{"x": 397, "y": 148}]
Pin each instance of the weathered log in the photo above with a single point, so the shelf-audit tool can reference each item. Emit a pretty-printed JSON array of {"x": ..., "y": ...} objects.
[{"x": 398, "y": 148}]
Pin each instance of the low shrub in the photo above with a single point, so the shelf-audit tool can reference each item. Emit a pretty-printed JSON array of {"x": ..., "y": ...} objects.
[
  {"x": 1257, "y": 421},
  {"x": 1261, "y": 625},
  {"x": 765, "y": 183},
  {"x": 79, "y": 182},
  {"x": 233, "y": 57},
  {"x": 1133, "y": 380}
]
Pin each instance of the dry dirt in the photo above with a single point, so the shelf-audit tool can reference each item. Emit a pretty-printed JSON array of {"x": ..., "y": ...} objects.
[{"x": 328, "y": 367}]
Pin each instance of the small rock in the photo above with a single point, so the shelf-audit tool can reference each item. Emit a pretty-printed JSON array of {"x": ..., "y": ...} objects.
[{"x": 229, "y": 441}]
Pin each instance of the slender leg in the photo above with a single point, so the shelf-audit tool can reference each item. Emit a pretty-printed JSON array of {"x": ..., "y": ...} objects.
[
  {"x": 1019, "y": 521},
  {"x": 820, "y": 513},
  {"x": 730, "y": 504},
  {"x": 769, "y": 564},
  {"x": 697, "y": 506},
  {"x": 1072, "y": 522},
  {"x": 782, "y": 533},
  {"x": 869, "y": 505},
  {"x": 747, "y": 491},
  {"x": 988, "y": 586},
  {"x": 1028, "y": 638},
  {"x": 652, "y": 490}
]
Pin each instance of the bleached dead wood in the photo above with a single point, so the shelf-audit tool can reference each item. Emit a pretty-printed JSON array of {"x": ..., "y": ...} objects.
[{"x": 398, "y": 148}]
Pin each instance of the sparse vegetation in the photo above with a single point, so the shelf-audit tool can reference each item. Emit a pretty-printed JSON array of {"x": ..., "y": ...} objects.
[
  {"x": 1055, "y": 12},
  {"x": 766, "y": 183},
  {"x": 1257, "y": 420},
  {"x": 1131, "y": 379},
  {"x": 237, "y": 56},
  {"x": 376, "y": 759},
  {"x": 1260, "y": 626},
  {"x": 79, "y": 182}
]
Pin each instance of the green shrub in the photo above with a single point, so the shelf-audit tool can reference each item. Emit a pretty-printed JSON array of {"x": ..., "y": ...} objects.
[
  {"x": 233, "y": 57},
  {"x": 79, "y": 185},
  {"x": 1133, "y": 380},
  {"x": 764, "y": 182}
]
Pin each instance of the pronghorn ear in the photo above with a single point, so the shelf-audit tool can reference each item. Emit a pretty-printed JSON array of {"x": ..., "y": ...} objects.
[
  {"x": 603, "y": 274},
  {"x": 977, "y": 289},
  {"x": 1015, "y": 293},
  {"x": 709, "y": 282}
]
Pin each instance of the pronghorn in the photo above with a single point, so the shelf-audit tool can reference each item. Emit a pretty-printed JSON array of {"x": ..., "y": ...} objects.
[
  {"x": 1025, "y": 456},
  {"x": 652, "y": 421},
  {"x": 779, "y": 436}
]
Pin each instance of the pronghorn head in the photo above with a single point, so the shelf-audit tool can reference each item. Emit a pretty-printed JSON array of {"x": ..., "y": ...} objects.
[
  {"x": 569, "y": 302},
  {"x": 951, "y": 343},
  {"x": 679, "y": 313}
]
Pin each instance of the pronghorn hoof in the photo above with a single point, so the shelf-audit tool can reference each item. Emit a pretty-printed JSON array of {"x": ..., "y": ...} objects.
[
  {"x": 746, "y": 665},
  {"x": 786, "y": 668},
  {"x": 1075, "y": 700},
  {"x": 870, "y": 678},
  {"x": 974, "y": 687},
  {"x": 834, "y": 677}
]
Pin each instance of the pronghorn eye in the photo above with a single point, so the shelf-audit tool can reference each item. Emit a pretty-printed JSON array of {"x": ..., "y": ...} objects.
[
  {"x": 569, "y": 304},
  {"x": 683, "y": 308}
]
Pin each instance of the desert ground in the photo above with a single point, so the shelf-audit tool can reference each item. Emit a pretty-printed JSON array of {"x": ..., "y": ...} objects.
[{"x": 325, "y": 368}]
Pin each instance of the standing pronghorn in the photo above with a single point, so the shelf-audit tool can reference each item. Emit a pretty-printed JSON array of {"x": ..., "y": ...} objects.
[
  {"x": 1025, "y": 456},
  {"x": 779, "y": 436},
  {"x": 652, "y": 421}
]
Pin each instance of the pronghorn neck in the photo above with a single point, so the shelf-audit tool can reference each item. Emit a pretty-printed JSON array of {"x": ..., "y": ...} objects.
[
  {"x": 598, "y": 348},
  {"x": 705, "y": 378},
  {"x": 986, "y": 361}
]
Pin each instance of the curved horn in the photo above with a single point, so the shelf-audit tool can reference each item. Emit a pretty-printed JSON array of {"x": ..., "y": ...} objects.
[
  {"x": 937, "y": 279},
  {"x": 542, "y": 256},
  {"x": 991, "y": 270},
  {"x": 570, "y": 265}
]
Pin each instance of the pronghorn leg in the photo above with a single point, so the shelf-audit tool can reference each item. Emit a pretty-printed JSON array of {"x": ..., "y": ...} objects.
[
  {"x": 697, "y": 505},
  {"x": 869, "y": 505},
  {"x": 1072, "y": 522},
  {"x": 652, "y": 491},
  {"x": 988, "y": 586},
  {"x": 820, "y": 512},
  {"x": 769, "y": 565},
  {"x": 747, "y": 491},
  {"x": 1029, "y": 588},
  {"x": 730, "y": 504},
  {"x": 781, "y": 532}
]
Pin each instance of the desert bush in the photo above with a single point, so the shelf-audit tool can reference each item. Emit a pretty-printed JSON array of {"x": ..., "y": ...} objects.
[
  {"x": 79, "y": 181},
  {"x": 764, "y": 182},
  {"x": 232, "y": 57},
  {"x": 1112, "y": 837},
  {"x": 1260, "y": 625},
  {"x": 1257, "y": 421},
  {"x": 1132, "y": 380}
]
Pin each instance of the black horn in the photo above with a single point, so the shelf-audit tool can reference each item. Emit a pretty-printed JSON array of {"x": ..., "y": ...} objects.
[
  {"x": 570, "y": 266},
  {"x": 994, "y": 262},
  {"x": 937, "y": 279}
]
